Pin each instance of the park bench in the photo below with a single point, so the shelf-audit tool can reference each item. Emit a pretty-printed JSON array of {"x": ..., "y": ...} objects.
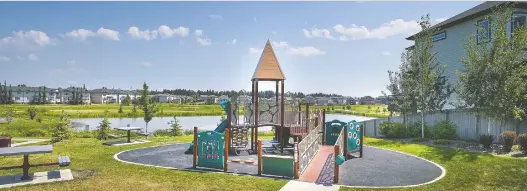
[{"x": 26, "y": 151}]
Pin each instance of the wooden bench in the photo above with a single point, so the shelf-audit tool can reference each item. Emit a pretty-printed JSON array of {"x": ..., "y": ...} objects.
[{"x": 26, "y": 151}]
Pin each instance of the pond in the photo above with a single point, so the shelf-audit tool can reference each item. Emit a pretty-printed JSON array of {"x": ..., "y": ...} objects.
[{"x": 203, "y": 122}]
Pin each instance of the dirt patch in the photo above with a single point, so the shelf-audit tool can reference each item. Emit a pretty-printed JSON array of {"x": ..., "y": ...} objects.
[{"x": 81, "y": 174}]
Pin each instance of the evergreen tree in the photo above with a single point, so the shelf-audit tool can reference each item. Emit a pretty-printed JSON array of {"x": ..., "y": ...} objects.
[
  {"x": 10, "y": 95},
  {"x": 104, "y": 129},
  {"x": 1, "y": 94},
  {"x": 39, "y": 98},
  {"x": 62, "y": 130},
  {"x": 175, "y": 128},
  {"x": 44, "y": 96}
]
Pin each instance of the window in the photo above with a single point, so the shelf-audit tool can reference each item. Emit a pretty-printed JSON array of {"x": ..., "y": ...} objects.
[
  {"x": 517, "y": 21},
  {"x": 439, "y": 36},
  {"x": 483, "y": 31}
]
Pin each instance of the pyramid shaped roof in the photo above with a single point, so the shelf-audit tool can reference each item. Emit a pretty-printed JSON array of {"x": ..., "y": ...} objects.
[{"x": 268, "y": 67}]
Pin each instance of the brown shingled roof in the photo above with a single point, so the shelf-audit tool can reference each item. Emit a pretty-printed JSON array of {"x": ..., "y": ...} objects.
[{"x": 268, "y": 67}]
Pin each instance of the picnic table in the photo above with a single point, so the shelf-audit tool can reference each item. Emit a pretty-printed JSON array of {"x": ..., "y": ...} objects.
[
  {"x": 128, "y": 129},
  {"x": 26, "y": 151}
]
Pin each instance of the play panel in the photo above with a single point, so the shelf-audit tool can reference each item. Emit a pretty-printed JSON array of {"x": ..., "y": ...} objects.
[{"x": 211, "y": 146}]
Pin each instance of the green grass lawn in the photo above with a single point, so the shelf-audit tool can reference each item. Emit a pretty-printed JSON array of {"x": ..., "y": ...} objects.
[
  {"x": 465, "y": 170},
  {"x": 165, "y": 109},
  {"x": 96, "y": 169}
]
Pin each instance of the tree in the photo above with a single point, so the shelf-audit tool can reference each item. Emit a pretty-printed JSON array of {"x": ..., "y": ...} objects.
[
  {"x": 126, "y": 101},
  {"x": 39, "y": 97},
  {"x": 148, "y": 108},
  {"x": 62, "y": 130},
  {"x": 175, "y": 128},
  {"x": 44, "y": 96},
  {"x": 8, "y": 114},
  {"x": 134, "y": 109},
  {"x": 104, "y": 129},
  {"x": 10, "y": 95},
  {"x": 120, "y": 109},
  {"x": 32, "y": 112},
  {"x": 493, "y": 79}
]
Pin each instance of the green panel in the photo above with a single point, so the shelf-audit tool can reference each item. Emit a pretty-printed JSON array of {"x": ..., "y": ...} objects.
[
  {"x": 354, "y": 138},
  {"x": 278, "y": 166},
  {"x": 210, "y": 149},
  {"x": 333, "y": 129}
]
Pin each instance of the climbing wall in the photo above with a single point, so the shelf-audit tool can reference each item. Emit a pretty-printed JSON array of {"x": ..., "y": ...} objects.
[
  {"x": 239, "y": 138},
  {"x": 354, "y": 136}
]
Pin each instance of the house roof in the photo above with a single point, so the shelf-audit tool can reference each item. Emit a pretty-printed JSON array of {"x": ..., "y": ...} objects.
[
  {"x": 479, "y": 10},
  {"x": 268, "y": 67}
]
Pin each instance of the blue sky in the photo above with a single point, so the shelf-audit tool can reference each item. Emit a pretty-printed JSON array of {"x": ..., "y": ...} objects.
[{"x": 330, "y": 47}]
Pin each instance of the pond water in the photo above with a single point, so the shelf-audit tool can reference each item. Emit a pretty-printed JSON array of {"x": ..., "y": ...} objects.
[{"x": 203, "y": 122}]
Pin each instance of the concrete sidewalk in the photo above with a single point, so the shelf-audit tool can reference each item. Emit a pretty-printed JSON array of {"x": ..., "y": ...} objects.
[
  {"x": 28, "y": 141},
  {"x": 294, "y": 185}
]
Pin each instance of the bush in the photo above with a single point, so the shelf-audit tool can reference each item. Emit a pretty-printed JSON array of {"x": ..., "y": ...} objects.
[
  {"x": 442, "y": 142},
  {"x": 392, "y": 130},
  {"x": 188, "y": 132},
  {"x": 104, "y": 129},
  {"x": 415, "y": 129},
  {"x": 444, "y": 130},
  {"x": 163, "y": 132},
  {"x": 522, "y": 141},
  {"x": 419, "y": 139},
  {"x": 507, "y": 140},
  {"x": 175, "y": 128},
  {"x": 62, "y": 130},
  {"x": 486, "y": 140}
]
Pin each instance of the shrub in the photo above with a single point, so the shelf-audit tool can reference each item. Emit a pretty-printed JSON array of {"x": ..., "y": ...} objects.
[
  {"x": 62, "y": 130},
  {"x": 442, "y": 142},
  {"x": 392, "y": 130},
  {"x": 32, "y": 112},
  {"x": 419, "y": 139},
  {"x": 175, "y": 128},
  {"x": 507, "y": 140},
  {"x": 486, "y": 140},
  {"x": 444, "y": 130},
  {"x": 104, "y": 129},
  {"x": 415, "y": 129},
  {"x": 120, "y": 109},
  {"x": 522, "y": 141},
  {"x": 188, "y": 132},
  {"x": 163, "y": 132}
]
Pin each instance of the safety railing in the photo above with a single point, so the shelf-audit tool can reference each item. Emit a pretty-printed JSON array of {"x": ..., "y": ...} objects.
[{"x": 308, "y": 148}]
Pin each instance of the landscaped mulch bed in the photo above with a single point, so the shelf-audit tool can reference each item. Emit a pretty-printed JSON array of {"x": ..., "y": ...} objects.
[{"x": 470, "y": 146}]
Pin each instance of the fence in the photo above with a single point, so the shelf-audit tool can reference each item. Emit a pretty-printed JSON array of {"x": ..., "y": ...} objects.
[{"x": 468, "y": 125}]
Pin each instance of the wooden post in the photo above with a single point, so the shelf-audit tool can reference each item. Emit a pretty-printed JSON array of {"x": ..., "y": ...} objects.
[
  {"x": 260, "y": 158},
  {"x": 361, "y": 139},
  {"x": 282, "y": 116},
  {"x": 257, "y": 112},
  {"x": 226, "y": 150},
  {"x": 195, "y": 153},
  {"x": 307, "y": 117},
  {"x": 324, "y": 128},
  {"x": 276, "y": 136},
  {"x": 299, "y": 113},
  {"x": 296, "y": 165},
  {"x": 336, "y": 171}
]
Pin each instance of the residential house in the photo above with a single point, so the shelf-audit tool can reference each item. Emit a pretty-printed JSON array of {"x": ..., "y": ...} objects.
[
  {"x": 25, "y": 94},
  {"x": 382, "y": 100},
  {"x": 208, "y": 99},
  {"x": 163, "y": 98},
  {"x": 452, "y": 35},
  {"x": 106, "y": 96},
  {"x": 366, "y": 100},
  {"x": 323, "y": 101},
  {"x": 338, "y": 100},
  {"x": 222, "y": 98}
]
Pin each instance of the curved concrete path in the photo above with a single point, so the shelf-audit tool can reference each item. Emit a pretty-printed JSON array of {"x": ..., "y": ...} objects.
[{"x": 378, "y": 167}]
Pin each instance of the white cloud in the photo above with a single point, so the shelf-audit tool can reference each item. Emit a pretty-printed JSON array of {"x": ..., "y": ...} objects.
[
  {"x": 32, "y": 57},
  {"x": 204, "y": 41},
  {"x": 300, "y": 51},
  {"x": 4, "y": 58},
  {"x": 145, "y": 64},
  {"x": 385, "y": 30},
  {"x": 233, "y": 42},
  {"x": 83, "y": 34},
  {"x": 255, "y": 50},
  {"x": 320, "y": 33},
  {"x": 214, "y": 16},
  {"x": 27, "y": 39},
  {"x": 108, "y": 34},
  {"x": 166, "y": 32},
  {"x": 386, "y": 53},
  {"x": 72, "y": 63},
  {"x": 80, "y": 34},
  {"x": 72, "y": 82},
  {"x": 198, "y": 32},
  {"x": 134, "y": 32}
]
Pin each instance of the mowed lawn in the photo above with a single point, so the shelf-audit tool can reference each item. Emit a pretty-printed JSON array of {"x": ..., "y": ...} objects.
[
  {"x": 465, "y": 170},
  {"x": 96, "y": 169}
]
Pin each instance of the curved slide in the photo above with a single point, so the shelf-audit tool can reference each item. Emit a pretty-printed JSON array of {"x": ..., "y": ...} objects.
[{"x": 221, "y": 127}]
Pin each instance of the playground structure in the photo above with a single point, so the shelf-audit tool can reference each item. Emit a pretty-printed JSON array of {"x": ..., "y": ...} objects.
[{"x": 312, "y": 137}]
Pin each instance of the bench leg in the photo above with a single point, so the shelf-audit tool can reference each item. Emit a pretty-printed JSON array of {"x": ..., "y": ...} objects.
[{"x": 25, "y": 168}]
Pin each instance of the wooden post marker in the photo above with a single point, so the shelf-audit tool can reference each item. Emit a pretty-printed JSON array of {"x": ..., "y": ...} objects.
[{"x": 195, "y": 153}]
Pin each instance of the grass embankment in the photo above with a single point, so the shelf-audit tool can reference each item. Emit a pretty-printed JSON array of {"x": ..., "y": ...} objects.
[
  {"x": 464, "y": 170},
  {"x": 95, "y": 168},
  {"x": 168, "y": 110}
]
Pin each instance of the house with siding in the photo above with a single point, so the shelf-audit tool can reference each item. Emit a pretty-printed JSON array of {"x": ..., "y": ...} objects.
[
  {"x": 107, "y": 96},
  {"x": 453, "y": 33}
]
